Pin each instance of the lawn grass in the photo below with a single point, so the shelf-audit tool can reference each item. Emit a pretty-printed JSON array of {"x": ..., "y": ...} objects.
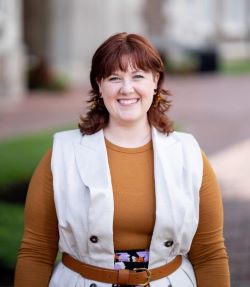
[
  {"x": 11, "y": 230},
  {"x": 20, "y": 155}
]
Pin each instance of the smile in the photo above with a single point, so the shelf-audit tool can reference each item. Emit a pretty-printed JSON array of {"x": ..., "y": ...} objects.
[{"x": 126, "y": 102}]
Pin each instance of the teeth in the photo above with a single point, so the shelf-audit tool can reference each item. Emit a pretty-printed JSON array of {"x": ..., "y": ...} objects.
[{"x": 127, "y": 101}]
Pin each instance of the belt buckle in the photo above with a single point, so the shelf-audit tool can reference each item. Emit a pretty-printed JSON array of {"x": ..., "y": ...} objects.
[{"x": 148, "y": 275}]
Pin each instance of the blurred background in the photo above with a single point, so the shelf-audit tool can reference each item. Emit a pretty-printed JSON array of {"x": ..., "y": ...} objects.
[{"x": 45, "y": 53}]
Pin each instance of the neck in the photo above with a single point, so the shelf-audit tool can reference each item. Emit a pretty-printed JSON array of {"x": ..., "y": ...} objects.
[{"x": 129, "y": 136}]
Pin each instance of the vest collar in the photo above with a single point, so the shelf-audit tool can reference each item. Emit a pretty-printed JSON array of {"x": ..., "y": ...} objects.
[{"x": 92, "y": 159}]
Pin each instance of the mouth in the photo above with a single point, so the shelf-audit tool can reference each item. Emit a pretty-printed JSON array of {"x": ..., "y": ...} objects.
[{"x": 127, "y": 102}]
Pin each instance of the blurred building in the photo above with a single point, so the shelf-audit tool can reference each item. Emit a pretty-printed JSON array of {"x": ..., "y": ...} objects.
[
  {"x": 62, "y": 34},
  {"x": 198, "y": 34},
  {"x": 50, "y": 42},
  {"x": 12, "y": 57},
  {"x": 199, "y": 23}
]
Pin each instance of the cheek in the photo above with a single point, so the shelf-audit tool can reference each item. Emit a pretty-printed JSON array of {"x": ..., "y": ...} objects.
[
  {"x": 109, "y": 100},
  {"x": 109, "y": 91},
  {"x": 148, "y": 92}
]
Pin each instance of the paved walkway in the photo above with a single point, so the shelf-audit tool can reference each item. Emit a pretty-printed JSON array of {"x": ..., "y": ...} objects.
[
  {"x": 215, "y": 109},
  {"x": 41, "y": 110},
  {"x": 232, "y": 167}
]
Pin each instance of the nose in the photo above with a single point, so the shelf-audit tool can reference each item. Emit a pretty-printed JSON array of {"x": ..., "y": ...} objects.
[{"x": 126, "y": 87}]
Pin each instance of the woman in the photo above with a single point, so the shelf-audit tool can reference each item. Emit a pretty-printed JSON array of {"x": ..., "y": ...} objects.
[{"x": 125, "y": 191}]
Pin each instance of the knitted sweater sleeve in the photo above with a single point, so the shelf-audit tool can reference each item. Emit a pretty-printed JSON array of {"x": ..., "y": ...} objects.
[
  {"x": 39, "y": 246},
  {"x": 208, "y": 253}
]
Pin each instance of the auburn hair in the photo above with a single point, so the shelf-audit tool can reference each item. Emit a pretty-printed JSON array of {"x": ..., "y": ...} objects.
[{"x": 117, "y": 53}]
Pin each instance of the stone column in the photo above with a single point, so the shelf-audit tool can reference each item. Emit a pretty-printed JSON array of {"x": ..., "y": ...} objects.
[
  {"x": 67, "y": 40},
  {"x": 77, "y": 27},
  {"x": 12, "y": 82}
]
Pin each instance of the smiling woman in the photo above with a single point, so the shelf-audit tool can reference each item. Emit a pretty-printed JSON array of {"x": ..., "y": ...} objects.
[
  {"x": 126, "y": 66},
  {"x": 127, "y": 200}
]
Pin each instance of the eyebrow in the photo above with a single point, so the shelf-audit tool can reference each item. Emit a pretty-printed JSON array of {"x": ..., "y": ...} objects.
[
  {"x": 136, "y": 71},
  {"x": 133, "y": 72}
]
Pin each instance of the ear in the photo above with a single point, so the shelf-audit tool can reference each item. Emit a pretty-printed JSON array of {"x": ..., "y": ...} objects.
[
  {"x": 156, "y": 78},
  {"x": 99, "y": 85}
]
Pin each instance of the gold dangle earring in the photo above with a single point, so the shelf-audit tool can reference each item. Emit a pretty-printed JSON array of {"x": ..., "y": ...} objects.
[{"x": 157, "y": 98}]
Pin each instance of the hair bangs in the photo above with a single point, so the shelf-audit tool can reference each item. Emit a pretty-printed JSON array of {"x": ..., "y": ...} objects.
[{"x": 127, "y": 57}]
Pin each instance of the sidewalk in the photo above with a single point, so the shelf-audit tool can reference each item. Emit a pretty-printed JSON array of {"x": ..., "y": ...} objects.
[
  {"x": 42, "y": 110},
  {"x": 214, "y": 109},
  {"x": 232, "y": 167}
]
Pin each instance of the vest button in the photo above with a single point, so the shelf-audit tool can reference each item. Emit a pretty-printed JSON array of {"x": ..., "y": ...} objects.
[
  {"x": 169, "y": 243},
  {"x": 92, "y": 285},
  {"x": 93, "y": 239}
]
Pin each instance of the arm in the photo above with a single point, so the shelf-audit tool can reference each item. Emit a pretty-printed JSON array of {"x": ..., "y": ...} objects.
[
  {"x": 39, "y": 246},
  {"x": 208, "y": 253}
]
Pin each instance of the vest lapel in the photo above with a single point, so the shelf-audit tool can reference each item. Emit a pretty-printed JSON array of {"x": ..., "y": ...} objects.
[
  {"x": 92, "y": 164},
  {"x": 168, "y": 166},
  {"x": 92, "y": 161}
]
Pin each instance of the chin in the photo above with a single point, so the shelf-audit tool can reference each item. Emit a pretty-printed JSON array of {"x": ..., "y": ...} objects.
[{"x": 131, "y": 120}]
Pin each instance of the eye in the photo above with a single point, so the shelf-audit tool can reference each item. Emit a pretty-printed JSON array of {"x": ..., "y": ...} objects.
[
  {"x": 113, "y": 78},
  {"x": 138, "y": 76}
]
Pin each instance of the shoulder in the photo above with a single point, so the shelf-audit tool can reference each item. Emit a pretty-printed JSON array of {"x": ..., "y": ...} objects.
[
  {"x": 67, "y": 137},
  {"x": 192, "y": 154},
  {"x": 67, "y": 134},
  {"x": 188, "y": 143},
  {"x": 65, "y": 140},
  {"x": 184, "y": 137},
  {"x": 190, "y": 147},
  {"x": 185, "y": 140},
  {"x": 63, "y": 145}
]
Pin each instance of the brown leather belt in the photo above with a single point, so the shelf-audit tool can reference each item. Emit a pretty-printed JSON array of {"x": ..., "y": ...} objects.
[{"x": 138, "y": 276}]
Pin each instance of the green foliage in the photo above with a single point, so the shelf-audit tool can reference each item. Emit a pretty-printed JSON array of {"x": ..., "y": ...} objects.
[
  {"x": 11, "y": 230},
  {"x": 58, "y": 83},
  {"x": 20, "y": 155},
  {"x": 238, "y": 67}
]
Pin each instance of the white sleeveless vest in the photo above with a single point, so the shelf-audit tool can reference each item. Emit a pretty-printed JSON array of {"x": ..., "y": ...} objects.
[{"x": 84, "y": 204}]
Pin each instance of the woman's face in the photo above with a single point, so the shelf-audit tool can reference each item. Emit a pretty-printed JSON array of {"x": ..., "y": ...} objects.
[{"x": 128, "y": 95}]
